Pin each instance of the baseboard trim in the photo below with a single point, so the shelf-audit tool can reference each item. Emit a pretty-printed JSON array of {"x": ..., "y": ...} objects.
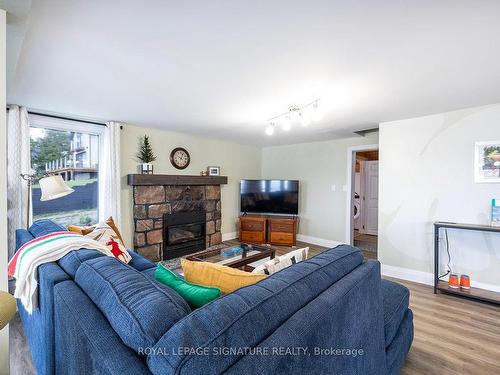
[
  {"x": 318, "y": 241},
  {"x": 491, "y": 287},
  {"x": 427, "y": 278},
  {"x": 229, "y": 236},
  {"x": 407, "y": 274}
]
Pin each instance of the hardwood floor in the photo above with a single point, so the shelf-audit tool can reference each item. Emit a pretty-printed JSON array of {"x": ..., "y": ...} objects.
[{"x": 452, "y": 335}]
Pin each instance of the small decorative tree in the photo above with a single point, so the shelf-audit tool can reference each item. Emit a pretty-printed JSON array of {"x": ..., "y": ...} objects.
[{"x": 146, "y": 155}]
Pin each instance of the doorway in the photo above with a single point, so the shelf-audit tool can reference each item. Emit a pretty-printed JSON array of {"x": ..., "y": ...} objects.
[{"x": 363, "y": 203}]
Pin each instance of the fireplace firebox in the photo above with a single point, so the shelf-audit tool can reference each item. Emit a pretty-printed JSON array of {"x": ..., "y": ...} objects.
[{"x": 183, "y": 233}]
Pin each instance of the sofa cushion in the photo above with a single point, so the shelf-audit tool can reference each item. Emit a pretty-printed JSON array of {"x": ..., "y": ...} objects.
[
  {"x": 22, "y": 236},
  {"x": 45, "y": 226},
  {"x": 267, "y": 304},
  {"x": 72, "y": 261},
  {"x": 139, "y": 309},
  {"x": 150, "y": 273},
  {"x": 395, "y": 300},
  {"x": 139, "y": 262}
]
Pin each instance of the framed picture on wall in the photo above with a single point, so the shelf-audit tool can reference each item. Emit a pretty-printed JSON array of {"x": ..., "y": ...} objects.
[{"x": 487, "y": 162}]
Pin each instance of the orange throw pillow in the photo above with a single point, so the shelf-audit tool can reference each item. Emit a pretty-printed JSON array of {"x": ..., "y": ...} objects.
[
  {"x": 80, "y": 230},
  {"x": 214, "y": 275}
]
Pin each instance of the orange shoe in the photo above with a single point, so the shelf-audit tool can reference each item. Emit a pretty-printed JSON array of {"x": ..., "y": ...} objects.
[
  {"x": 453, "y": 281},
  {"x": 465, "y": 282}
]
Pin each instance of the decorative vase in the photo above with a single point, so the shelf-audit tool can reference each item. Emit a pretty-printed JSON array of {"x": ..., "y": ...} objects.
[{"x": 147, "y": 168}]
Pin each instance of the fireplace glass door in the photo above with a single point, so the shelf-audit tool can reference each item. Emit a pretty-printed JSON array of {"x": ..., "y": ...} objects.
[{"x": 184, "y": 233}]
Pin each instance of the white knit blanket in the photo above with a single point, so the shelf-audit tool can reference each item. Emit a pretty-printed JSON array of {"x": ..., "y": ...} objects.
[{"x": 38, "y": 251}]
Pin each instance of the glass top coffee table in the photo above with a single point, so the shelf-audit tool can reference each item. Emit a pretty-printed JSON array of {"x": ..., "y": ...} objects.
[{"x": 243, "y": 256}]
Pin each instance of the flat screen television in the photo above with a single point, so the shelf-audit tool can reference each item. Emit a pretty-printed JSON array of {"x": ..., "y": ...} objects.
[{"x": 279, "y": 197}]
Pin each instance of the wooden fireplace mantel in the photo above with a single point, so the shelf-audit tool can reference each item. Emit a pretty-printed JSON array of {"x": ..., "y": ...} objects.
[{"x": 168, "y": 179}]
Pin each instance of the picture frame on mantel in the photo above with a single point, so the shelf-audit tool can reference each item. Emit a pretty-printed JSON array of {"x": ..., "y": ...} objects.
[
  {"x": 213, "y": 171},
  {"x": 487, "y": 162}
]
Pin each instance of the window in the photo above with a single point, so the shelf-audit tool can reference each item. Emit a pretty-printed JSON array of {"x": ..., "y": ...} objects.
[{"x": 70, "y": 149}]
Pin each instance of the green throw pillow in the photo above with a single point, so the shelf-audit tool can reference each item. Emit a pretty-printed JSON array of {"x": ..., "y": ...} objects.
[{"x": 195, "y": 295}]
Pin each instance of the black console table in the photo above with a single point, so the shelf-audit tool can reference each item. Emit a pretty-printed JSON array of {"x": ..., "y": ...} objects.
[{"x": 474, "y": 293}]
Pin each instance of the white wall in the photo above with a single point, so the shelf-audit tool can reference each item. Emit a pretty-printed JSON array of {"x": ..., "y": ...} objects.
[
  {"x": 318, "y": 166},
  {"x": 236, "y": 161},
  {"x": 4, "y": 334},
  {"x": 426, "y": 175}
]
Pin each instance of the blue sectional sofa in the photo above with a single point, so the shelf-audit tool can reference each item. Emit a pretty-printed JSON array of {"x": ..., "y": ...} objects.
[{"x": 331, "y": 314}]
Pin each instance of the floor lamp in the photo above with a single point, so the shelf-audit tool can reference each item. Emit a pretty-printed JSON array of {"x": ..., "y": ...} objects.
[{"x": 52, "y": 187}]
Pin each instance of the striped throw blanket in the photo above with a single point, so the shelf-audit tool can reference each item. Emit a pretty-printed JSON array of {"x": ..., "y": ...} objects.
[{"x": 44, "y": 249}]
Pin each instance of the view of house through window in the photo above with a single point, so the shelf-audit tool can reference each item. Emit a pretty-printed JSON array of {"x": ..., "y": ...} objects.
[{"x": 74, "y": 156}]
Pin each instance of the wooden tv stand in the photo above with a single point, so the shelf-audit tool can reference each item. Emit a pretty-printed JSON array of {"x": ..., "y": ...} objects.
[{"x": 275, "y": 230}]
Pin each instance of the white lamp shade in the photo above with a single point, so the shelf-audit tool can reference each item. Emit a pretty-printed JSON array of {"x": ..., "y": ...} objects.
[{"x": 53, "y": 187}]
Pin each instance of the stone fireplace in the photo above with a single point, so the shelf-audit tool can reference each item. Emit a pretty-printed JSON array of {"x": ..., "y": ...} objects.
[{"x": 160, "y": 200}]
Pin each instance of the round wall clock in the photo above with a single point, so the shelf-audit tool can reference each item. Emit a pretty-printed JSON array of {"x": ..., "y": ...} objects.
[{"x": 179, "y": 157}]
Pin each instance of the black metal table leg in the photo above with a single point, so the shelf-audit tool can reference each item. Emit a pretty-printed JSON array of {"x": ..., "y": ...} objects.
[{"x": 436, "y": 257}]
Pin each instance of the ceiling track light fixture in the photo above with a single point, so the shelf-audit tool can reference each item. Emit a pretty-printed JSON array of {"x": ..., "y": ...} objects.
[
  {"x": 270, "y": 128},
  {"x": 305, "y": 115}
]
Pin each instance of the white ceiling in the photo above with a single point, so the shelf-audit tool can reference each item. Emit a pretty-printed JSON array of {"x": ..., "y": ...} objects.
[{"x": 222, "y": 68}]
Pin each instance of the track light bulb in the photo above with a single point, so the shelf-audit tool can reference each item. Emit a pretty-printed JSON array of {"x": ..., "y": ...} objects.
[
  {"x": 270, "y": 129},
  {"x": 287, "y": 123},
  {"x": 316, "y": 114},
  {"x": 305, "y": 120}
]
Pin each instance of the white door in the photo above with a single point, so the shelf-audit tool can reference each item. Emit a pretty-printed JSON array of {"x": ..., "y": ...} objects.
[{"x": 370, "y": 198}]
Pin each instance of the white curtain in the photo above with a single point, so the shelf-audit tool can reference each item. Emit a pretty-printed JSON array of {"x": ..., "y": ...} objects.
[
  {"x": 18, "y": 161},
  {"x": 109, "y": 174}
]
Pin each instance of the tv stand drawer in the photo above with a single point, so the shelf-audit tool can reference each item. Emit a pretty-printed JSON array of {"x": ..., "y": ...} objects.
[
  {"x": 282, "y": 231},
  {"x": 278, "y": 238},
  {"x": 253, "y": 225},
  {"x": 253, "y": 229},
  {"x": 285, "y": 226},
  {"x": 253, "y": 237}
]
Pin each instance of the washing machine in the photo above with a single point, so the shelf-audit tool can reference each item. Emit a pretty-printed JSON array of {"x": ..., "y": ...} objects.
[{"x": 356, "y": 211}]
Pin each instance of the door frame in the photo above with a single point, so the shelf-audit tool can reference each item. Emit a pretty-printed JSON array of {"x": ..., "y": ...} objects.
[
  {"x": 364, "y": 191},
  {"x": 351, "y": 165}
]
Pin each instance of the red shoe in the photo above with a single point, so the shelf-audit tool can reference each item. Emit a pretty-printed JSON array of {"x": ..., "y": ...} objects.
[
  {"x": 465, "y": 282},
  {"x": 453, "y": 281}
]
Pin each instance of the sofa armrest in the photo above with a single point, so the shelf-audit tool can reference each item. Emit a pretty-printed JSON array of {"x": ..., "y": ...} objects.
[
  {"x": 339, "y": 332},
  {"x": 39, "y": 326},
  {"x": 85, "y": 342}
]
